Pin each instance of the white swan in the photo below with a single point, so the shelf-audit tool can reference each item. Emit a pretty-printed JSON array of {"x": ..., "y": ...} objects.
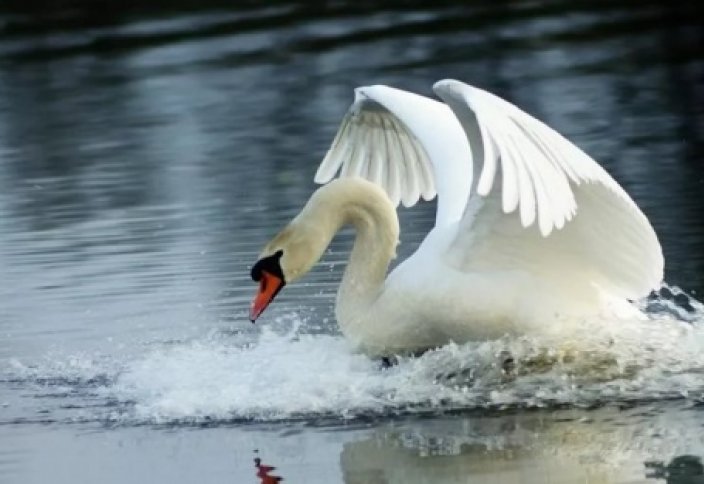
[{"x": 531, "y": 235}]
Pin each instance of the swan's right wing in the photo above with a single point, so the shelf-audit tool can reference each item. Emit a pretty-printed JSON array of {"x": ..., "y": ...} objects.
[
  {"x": 412, "y": 146},
  {"x": 543, "y": 206}
]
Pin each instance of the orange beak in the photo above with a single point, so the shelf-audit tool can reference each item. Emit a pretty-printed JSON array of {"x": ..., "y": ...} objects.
[{"x": 269, "y": 287}]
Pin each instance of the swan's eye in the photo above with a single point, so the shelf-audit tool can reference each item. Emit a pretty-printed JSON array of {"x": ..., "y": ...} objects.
[
  {"x": 256, "y": 272},
  {"x": 270, "y": 264}
]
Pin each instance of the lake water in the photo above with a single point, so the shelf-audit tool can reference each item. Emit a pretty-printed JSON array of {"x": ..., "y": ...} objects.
[{"x": 147, "y": 151}]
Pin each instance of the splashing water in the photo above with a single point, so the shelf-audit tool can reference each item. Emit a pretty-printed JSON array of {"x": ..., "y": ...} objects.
[{"x": 283, "y": 375}]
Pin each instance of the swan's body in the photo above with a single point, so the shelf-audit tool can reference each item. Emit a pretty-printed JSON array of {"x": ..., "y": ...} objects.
[{"x": 531, "y": 234}]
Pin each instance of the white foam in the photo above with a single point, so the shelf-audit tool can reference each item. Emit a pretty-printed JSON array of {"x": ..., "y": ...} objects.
[
  {"x": 293, "y": 375},
  {"x": 288, "y": 374}
]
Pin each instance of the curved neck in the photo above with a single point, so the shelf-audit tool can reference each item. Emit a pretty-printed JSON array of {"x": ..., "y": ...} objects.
[{"x": 364, "y": 205}]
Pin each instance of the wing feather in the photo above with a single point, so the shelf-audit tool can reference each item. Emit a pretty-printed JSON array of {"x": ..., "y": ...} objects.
[
  {"x": 410, "y": 145},
  {"x": 375, "y": 173},
  {"x": 587, "y": 224},
  {"x": 392, "y": 168},
  {"x": 411, "y": 185},
  {"x": 489, "y": 169},
  {"x": 528, "y": 177},
  {"x": 351, "y": 152}
]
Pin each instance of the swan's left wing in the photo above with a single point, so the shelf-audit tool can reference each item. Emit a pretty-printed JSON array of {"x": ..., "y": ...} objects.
[
  {"x": 410, "y": 145},
  {"x": 543, "y": 205}
]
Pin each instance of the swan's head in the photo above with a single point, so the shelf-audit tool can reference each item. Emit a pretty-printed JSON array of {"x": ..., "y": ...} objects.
[
  {"x": 294, "y": 250},
  {"x": 268, "y": 273},
  {"x": 287, "y": 257}
]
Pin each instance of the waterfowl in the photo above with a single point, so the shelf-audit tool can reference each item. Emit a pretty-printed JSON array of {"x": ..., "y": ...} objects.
[{"x": 531, "y": 235}]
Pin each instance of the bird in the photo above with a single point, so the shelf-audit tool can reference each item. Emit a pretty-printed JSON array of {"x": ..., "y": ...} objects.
[{"x": 531, "y": 235}]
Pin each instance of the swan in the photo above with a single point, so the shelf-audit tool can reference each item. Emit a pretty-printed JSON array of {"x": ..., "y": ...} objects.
[{"x": 531, "y": 235}]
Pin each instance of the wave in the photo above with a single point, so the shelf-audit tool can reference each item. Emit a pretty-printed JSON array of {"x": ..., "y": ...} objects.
[{"x": 286, "y": 373}]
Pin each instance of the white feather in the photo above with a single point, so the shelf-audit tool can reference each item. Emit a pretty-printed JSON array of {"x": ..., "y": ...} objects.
[{"x": 588, "y": 228}]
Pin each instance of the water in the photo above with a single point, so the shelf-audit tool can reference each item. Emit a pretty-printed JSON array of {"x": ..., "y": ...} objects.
[{"x": 146, "y": 154}]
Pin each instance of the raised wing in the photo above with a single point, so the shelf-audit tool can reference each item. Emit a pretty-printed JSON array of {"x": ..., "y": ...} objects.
[
  {"x": 530, "y": 173},
  {"x": 537, "y": 203},
  {"x": 536, "y": 163},
  {"x": 411, "y": 145}
]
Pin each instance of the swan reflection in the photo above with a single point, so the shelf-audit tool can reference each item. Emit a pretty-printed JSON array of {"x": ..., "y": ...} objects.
[{"x": 570, "y": 446}]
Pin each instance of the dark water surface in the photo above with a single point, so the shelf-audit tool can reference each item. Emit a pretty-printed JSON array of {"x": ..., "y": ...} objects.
[{"x": 147, "y": 151}]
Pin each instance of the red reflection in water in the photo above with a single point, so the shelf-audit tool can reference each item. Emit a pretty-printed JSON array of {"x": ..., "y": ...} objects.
[{"x": 263, "y": 471}]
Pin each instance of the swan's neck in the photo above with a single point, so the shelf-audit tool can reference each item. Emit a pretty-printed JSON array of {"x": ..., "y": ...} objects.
[
  {"x": 363, "y": 280},
  {"x": 356, "y": 202}
]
